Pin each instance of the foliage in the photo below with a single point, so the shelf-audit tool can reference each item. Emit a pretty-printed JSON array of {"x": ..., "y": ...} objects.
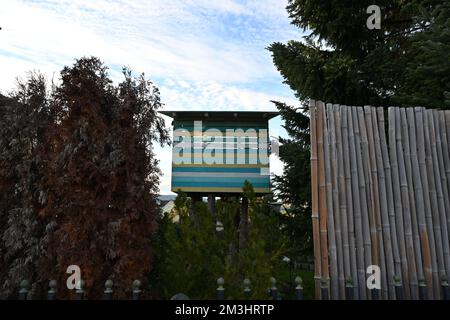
[
  {"x": 24, "y": 119},
  {"x": 341, "y": 61},
  {"x": 84, "y": 155},
  {"x": 195, "y": 254}
]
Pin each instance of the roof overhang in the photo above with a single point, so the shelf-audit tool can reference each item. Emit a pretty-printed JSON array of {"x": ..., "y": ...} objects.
[{"x": 221, "y": 115}]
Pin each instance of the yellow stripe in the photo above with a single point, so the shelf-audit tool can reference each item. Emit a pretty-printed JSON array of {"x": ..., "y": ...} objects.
[{"x": 217, "y": 189}]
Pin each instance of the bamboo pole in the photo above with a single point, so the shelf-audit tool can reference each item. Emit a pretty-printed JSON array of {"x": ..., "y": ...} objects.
[
  {"x": 363, "y": 188},
  {"x": 396, "y": 271},
  {"x": 447, "y": 126},
  {"x": 437, "y": 260},
  {"x": 343, "y": 208},
  {"x": 411, "y": 219},
  {"x": 437, "y": 164},
  {"x": 442, "y": 154},
  {"x": 336, "y": 201},
  {"x": 383, "y": 207},
  {"x": 446, "y": 154},
  {"x": 348, "y": 191},
  {"x": 443, "y": 159},
  {"x": 444, "y": 131},
  {"x": 334, "y": 290},
  {"x": 436, "y": 222},
  {"x": 370, "y": 216},
  {"x": 412, "y": 269},
  {"x": 376, "y": 215},
  {"x": 322, "y": 192},
  {"x": 420, "y": 203},
  {"x": 357, "y": 206},
  {"x": 315, "y": 199},
  {"x": 398, "y": 202},
  {"x": 369, "y": 186}
]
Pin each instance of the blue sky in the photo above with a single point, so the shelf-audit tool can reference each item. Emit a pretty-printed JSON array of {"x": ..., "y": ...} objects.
[{"x": 202, "y": 54}]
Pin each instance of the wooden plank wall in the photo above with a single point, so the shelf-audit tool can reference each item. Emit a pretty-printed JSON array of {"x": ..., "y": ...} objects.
[{"x": 380, "y": 196}]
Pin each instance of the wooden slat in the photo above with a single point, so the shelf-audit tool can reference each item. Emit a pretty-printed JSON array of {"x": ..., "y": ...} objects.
[
  {"x": 383, "y": 209},
  {"x": 436, "y": 152},
  {"x": 435, "y": 251},
  {"x": 406, "y": 208},
  {"x": 358, "y": 120},
  {"x": 315, "y": 199},
  {"x": 436, "y": 221},
  {"x": 343, "y": 208},
  {"x": 398, "y": 202},
  {"x": 361, "y": 276},
  {"x": 334, "y": 285},
  {"x": 396, "y": 271},
  {"x": 411, "y": 225},
  {"x": 323, "y": 224},
  {"x": 349, "y": 201},
  {"x": 419, "y": 204}
]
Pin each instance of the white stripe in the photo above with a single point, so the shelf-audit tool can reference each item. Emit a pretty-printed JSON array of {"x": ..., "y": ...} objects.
[{"x": 218, "y": 174}]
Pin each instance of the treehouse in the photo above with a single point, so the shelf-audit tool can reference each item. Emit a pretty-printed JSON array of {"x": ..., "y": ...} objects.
[{"x": 215, "y": 152}]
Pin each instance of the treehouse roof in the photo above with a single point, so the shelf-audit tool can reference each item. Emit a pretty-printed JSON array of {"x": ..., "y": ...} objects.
[{"x": 222, "y": 115}]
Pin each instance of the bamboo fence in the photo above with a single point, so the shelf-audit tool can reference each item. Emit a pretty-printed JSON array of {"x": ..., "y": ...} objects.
[{"x": 380, "y": 196}]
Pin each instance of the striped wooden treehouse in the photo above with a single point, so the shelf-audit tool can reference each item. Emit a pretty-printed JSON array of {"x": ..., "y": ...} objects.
[{"x": 215, "y": 152}]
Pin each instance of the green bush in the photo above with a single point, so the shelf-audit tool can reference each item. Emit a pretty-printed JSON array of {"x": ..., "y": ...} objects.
[{"x": 193, "y": 254}]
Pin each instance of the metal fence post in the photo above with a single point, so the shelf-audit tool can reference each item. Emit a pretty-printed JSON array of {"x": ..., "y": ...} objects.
[
  {"x": 398, "y": 288},
  {"x": 220, "y": 289},
  {"x": 375, "y": 294},
  {"x": 136, "y": 289},
  {"x": 108, "y": 293},
  {"x": 422, "y": 290},
  {"x": 445, "y": 289},
  {"x": 80, "y": 291},
  {"x": 51, "y": 294},
  {"x": 24, "y": 287},
  {"x": 298, "y": 288},
  {"x": 247, "y": 289},
  {"x": 273, "y": 288},
  {"x": 324, "y": 289},
  {"x": 349, "y": 289}
]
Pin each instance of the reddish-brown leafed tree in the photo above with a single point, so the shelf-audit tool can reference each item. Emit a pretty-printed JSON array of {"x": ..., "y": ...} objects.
[{"x": 102, "y": 179}]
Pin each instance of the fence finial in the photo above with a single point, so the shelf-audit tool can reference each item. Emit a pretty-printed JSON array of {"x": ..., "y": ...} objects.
[
  {"x": 445, "y": 288},
  {"x": 220, "y": 289},
  {"x": 422, "y": 289},
  {"x": 136, "y": 289},
  {"x": 349, "y": 288},
  {"x": 108, "y": 289},
  {"x": 247, "y": 289},
  {"x": 299, "y": 287},
  {"x": 51, "y": 294},
  {"x": 398, "y": 288},
  {"x": 324, "y": 289},
  {"x": 273, "y": 288},
  {"x": 24, "y": 287},
  {"x": 80, "y": 290}
]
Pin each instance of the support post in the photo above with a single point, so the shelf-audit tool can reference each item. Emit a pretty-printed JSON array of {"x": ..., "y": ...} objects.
[
  {"x": 220, "y": 289},
  {"x": 212, "y": 205},
  {"x": 51, "y": 294},
  {"x": 299, "y": 288}
]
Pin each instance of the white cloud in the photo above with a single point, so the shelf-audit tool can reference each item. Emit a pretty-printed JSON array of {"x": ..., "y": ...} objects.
[
  {"x": 203, "y": 54},
  {"x": 216, "y": 96}
]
